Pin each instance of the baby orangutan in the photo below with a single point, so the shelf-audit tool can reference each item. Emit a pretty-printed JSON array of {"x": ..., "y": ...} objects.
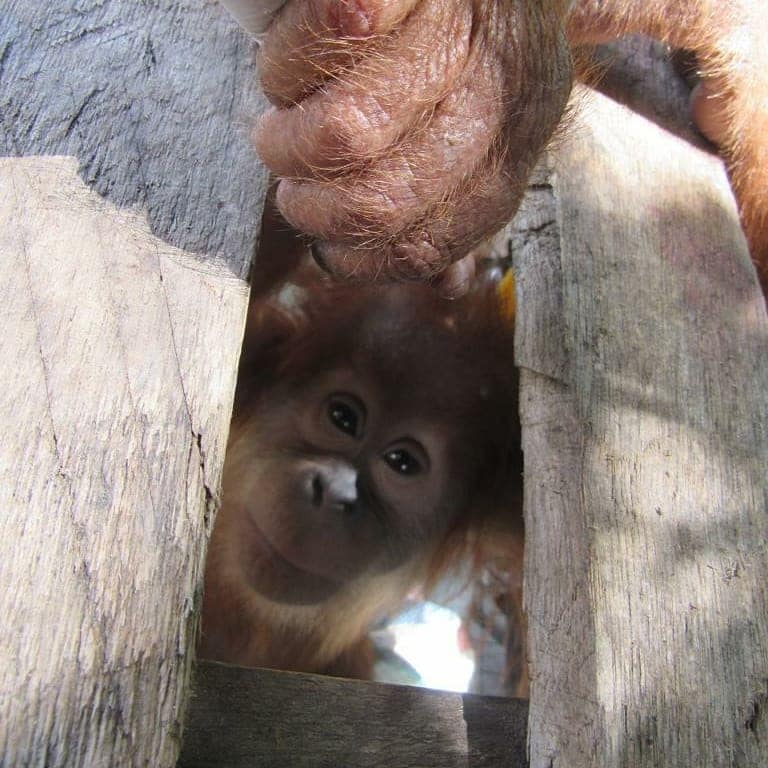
[{"x": 375, "y": 432}]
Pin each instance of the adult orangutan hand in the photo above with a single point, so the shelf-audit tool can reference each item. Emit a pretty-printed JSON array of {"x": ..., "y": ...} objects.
[{"x": 403, "y": 130}]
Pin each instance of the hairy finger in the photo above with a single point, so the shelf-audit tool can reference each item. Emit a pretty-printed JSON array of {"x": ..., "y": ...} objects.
[
  {"x": 475, "y": 210},
  {"x": 359, "y": 117},
  {"x": 310, "y": 40},
  {"x": 395, "y": 192},
  {"x": 454, "y": 178}
]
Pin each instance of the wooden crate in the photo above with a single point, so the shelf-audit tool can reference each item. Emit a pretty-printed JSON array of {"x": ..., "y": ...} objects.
[{"x": 129, "y": 203}]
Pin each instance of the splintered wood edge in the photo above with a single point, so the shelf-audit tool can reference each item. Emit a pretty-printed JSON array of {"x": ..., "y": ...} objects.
[{"x": 129, "y": 208}]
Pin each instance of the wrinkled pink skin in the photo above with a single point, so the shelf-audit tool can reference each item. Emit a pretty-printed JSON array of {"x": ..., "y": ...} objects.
[{"x": 403, "y": 131}]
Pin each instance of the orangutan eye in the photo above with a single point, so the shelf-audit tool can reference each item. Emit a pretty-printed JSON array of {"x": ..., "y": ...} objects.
[
  {"x": 407, "y": 458},
  {"x": 402, "y": 462},
  {"x": 347, "y": 414}
]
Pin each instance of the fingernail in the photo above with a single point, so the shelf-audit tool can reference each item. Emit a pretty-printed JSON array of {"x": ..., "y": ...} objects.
[
  {"x": 456, "y": 281},
  {"x": 353, "y": 18}
]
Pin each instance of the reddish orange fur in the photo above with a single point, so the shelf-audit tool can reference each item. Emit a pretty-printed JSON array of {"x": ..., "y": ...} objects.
[
  {"x": 465, "y": 94},
  {"x": 282, "y": 344},
  {"x": 729, "y": 40}
]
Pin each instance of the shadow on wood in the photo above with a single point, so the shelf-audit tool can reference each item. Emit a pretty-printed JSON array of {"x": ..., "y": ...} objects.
[
  {"x": 246, "y": 717},
  {"x": 643, "y": 344}
]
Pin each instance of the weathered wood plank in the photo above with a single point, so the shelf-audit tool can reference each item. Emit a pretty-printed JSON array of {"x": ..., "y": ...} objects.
[
  {"x": 246, "y": 717},
  {"x": 155, "y": 100},
  {"x": 646, "y": 441},
  {"x": 122, "y": 307},
  {"x": 115, "y": 398}
]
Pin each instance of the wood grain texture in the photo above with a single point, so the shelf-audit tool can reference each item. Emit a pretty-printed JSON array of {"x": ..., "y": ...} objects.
[
  {"x": 115, "y": 398},
  {"x": 646, "y": 441},
  {"x": 259, "y": 717},
  {"x": 156, "y": 100},
  {"x": 127, "y": 128}
]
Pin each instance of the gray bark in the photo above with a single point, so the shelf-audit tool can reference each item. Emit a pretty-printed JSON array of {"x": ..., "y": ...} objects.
[{"x": 155, "y": 99}]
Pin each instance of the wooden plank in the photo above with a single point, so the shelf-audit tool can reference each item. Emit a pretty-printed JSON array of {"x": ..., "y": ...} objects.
[
  {"x": 155, "y": 100},
  {"x": 246, "y": 717},
  {"x": 128, "y": 214},
  {"x": 645, "y": 431}
]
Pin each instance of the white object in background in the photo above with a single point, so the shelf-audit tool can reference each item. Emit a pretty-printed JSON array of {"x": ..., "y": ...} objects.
[
  {"x": 427, "y": 637},
  {"x": 254, "y": 16}
]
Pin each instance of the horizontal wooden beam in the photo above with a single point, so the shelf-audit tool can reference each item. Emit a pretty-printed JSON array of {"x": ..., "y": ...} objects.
[{"x": 260, "y": 717}]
